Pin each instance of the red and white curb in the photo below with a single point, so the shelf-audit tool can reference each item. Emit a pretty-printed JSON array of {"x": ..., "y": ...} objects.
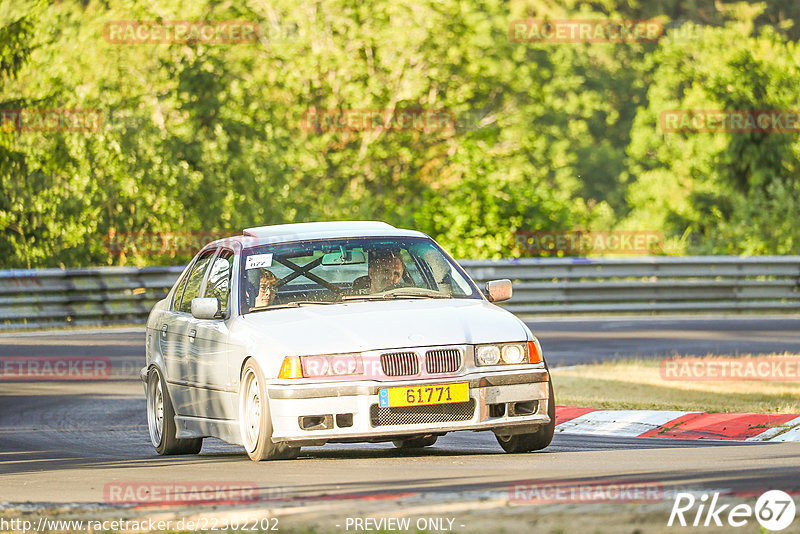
[{"x": 678, "y": 424}]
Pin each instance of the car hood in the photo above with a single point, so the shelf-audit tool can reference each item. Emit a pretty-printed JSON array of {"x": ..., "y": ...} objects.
[{"x": 361, "y": 326}]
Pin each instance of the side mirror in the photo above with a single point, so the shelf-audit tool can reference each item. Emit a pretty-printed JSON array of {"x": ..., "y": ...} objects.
[
  {"x": 206, "y": 308},
  {"x": 496, "y": 290}
]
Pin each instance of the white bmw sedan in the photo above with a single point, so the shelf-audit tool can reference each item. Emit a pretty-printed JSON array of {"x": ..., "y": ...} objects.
[{"x": 305, "y": 334}]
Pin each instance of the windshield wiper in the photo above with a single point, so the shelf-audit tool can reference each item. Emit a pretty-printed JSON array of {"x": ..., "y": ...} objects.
[
  {"x": 391, "y": 296},
  {"x": 412, "y": 292},
  {"x": 295, "y": 304},
  {"x": 365, "y": 297}
]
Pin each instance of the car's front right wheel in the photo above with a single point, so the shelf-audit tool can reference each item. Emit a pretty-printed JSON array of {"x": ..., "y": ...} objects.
[{"x": 255, "y": 421}]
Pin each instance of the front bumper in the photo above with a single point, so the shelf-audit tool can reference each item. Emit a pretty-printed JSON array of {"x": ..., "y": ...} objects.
[
  {"x": 291, "y": 404},
  {"x": 143, "y": 375}
]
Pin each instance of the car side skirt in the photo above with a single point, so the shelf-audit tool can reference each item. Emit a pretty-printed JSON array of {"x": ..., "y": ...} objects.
[{"x": 199, "y": 427}]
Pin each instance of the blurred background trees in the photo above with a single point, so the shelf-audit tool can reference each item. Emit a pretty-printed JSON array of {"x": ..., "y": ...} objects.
[{"x": 211, "y": 138}]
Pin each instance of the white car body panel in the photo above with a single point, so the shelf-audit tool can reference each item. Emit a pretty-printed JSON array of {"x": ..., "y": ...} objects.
[{"x": 357, "y": 326}]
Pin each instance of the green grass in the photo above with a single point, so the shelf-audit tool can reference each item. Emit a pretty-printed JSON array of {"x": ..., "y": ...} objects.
[{"x": 638, "y": 385}]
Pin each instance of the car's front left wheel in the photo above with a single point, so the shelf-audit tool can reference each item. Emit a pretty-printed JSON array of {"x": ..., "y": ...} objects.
[
  {"x": 534, "y": 441},
  {"x": 415, "y": 443},
  {"x": 161, "y": 419},
  {"x": 255, "y": 421}
]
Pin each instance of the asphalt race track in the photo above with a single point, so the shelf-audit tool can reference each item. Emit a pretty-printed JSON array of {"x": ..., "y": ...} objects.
[
  {"x": 576, "y": 341},
  {"x": 66, "y": 441}
]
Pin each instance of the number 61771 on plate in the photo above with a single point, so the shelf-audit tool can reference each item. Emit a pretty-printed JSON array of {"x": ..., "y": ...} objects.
[{"x": 423, "y": 395}]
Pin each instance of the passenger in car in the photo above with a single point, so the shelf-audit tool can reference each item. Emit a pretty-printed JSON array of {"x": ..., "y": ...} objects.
[
  {"x": 385, "y": 270},
  {"x": 262, "y": 293}
]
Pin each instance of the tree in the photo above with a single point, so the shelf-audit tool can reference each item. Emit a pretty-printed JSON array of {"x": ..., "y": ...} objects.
[{"x": 723, "y": 192}]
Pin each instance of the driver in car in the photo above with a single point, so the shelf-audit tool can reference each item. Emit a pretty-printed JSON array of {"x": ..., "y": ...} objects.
[{"x": 385, "y": 271}]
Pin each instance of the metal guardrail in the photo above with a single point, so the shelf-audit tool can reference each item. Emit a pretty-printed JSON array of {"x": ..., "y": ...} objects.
[
  {"x": 660, "y": 284},
  {"x": 553, "y": 286},
  {"x": 36, "y": 298}
]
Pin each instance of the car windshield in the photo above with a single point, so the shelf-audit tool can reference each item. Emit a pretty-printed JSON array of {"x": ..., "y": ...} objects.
[{"x": 343, "y": 270}]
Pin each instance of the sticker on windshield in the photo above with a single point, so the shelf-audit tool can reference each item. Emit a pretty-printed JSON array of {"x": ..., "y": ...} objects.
[{"x": 258, "y": 260}]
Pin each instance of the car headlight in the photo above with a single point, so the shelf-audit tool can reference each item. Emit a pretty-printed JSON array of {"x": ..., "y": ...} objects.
[
  {"x": 513, "y": 353},
  {"x": 488, "y": 355},
  {"x": 508, "y": 354}
]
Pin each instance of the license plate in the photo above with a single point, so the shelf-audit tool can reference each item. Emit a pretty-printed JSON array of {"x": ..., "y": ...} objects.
[{"x": 423, "y": 395}]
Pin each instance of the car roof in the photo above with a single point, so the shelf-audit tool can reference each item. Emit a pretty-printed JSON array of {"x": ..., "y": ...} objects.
[{"x": 284, "y": 233}]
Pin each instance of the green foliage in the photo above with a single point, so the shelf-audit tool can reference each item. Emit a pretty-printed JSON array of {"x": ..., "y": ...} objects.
[
  {"x": 728, "y": 193},
  {"x": 211, "y": 138}
]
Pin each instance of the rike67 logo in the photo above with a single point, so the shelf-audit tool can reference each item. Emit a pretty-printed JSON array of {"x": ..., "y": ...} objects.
[{"x": 774, "y": 510}]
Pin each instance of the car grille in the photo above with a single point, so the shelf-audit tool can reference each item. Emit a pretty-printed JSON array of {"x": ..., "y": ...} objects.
[
  {"x": 442, "y": 361},
  {"x": 420, "y": 415},
  {"x": 400, "y": 364}
]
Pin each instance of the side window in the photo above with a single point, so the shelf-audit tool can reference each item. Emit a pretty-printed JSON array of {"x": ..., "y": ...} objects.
[
  {"x": 176, "y": 299},
  {"x": 195, "y": 279},
  {"x": 219, "y": 279}
]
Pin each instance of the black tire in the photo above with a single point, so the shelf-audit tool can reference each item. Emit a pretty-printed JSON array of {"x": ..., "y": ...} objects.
[
  {"x": 163, "y": 438},
  {"x": 537, "y": 440},
  {"x": 257, "y": 437},
  {"x": 415, "y": 443}
]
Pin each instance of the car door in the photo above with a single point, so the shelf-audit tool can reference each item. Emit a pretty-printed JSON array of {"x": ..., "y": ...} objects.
[
  {"x": 208, "y": 350},
  {"x": 179, "y": 374},
  {"x": 168, "y": 328}
]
